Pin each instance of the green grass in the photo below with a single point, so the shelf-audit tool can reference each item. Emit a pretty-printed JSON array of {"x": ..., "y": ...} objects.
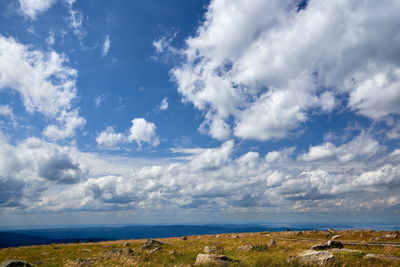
[{"x": 177, "y": 252}]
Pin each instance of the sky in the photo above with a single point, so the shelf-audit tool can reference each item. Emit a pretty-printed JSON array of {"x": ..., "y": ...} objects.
[{"x": 199, "y": 111}]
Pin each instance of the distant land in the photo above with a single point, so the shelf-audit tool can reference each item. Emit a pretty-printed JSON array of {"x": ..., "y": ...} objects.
[{"x": 51, "y": 235}]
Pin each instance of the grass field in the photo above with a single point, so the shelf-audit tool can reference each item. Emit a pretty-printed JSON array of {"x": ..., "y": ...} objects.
[{"x": 178, "y": 252}]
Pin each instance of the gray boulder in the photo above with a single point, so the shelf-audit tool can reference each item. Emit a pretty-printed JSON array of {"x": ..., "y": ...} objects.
[
  {"x": 315, "y": 257},
  {"x": 218, "y": 260}
]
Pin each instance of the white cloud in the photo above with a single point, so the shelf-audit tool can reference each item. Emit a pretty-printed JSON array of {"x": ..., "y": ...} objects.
[
  {"x": 214, "y": 180},
  {"x": 363, "y": 146},
  {"x": 163, "y": 104},
  {"x": 27, "y": 168},
  {"x": 32, "y": 8},
  {"x": 44, "y": 83},
  {"x": 106, "y": 45},
  {"x": 140, "y": 132},
  {"x": 143, "y": 131},
  {"x": 99, "y": 99},
  {"x": 269, "y": 72},
  {"x": 110, "y": 139}
]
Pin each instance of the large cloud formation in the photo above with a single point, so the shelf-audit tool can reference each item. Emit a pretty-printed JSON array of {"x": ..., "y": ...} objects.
[
  {"x": 358, "y": 175},
  {"x": 269, "y": 64}
]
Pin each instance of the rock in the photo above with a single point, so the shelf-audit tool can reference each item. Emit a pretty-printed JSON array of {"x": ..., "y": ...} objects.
[
  {"x": 184, "y": 238},
  {"x": 219, "y": 260},
  {"x": 121, "y": 252},
  {"x": 335, "y": 237},
  {"x": 126, "y": 244},
  {"x": 328, "y": 245},
  {"x": 382, "y": 257},
  {"x": 299, "y": 233},
  {"x": 15, "y": 263},
  {"x": 271, "y": 243},
  {"x": 319, "y": 247},
  {"x": 151, "y": 243},
  {"x": 86, "y": 249},
  {"x": 390, "y": 236},
  {"x": 245, "y": 248},
  {"x": 315, "y": 257},
  {"x": 334, "y": 244},
  {"x": 217, "y": 236},
  {"x": 235, "y": 236},
  {"x": 209, "y": 250}
]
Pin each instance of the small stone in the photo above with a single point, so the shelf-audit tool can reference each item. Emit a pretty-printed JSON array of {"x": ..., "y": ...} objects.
[
  {"x": 315, "y": 257},
  {"x": 126, "y": 244},
  {"x": 218, "y": 260},
  {"x": 184, "y": 238},
  {"x": 14, "y": 263},
  {"x": 235, "y": 236}
]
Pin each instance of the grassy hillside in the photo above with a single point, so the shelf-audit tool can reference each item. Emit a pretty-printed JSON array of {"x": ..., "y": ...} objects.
[{"x": 256, "y": 250}]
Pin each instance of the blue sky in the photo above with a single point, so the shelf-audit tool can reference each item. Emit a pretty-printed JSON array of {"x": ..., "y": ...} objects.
[{"x": 211, "y": 111}]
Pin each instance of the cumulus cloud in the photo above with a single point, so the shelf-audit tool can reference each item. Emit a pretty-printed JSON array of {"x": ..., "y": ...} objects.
[
  {"x": 363, "y": 146},
  {"x": 269, "y": 74},
  {"x": 44, "y": 83},
  {"x": 143, "y": 131},
  {"x": 32, "y": 8},
  {"x": 140, "y": 132},
  {"x": 110, "y": 139},
  {"x": 106, "y": 45},
  {"x": 27, "y": 168}
]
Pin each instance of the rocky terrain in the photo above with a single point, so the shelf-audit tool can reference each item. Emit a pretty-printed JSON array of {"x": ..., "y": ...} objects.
[{"x": 292, "y": 248}]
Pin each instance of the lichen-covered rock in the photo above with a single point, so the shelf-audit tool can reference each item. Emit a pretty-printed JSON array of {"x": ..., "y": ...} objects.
[
  {"x": 219, "y": 260},
  {"x": 315, "y": 257}
]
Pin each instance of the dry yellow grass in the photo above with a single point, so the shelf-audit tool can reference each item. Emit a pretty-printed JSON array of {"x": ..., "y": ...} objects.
[{"x": 178, "y": 252}]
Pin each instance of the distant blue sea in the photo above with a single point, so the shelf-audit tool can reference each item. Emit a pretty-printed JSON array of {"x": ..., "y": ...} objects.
[{"x": 26, "y": 237}]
